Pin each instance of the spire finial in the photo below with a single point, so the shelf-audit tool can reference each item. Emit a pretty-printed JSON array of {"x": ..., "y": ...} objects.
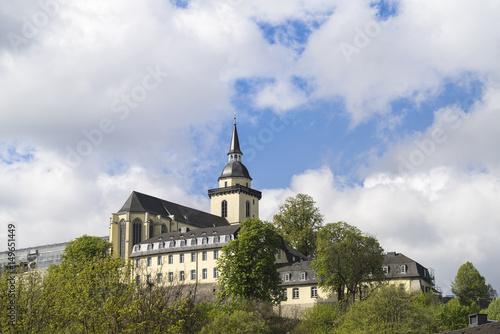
[{"x": 234, "y": 149}]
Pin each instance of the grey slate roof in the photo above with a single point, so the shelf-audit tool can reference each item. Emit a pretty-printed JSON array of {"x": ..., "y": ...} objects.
[
  {"x": 489, "y": 328},
  {"x": 138, "y": 202},
  {"x": 235, "y": 143},
  {"x": 235, "y": 169},
  {"x": 394, "y": 261},
  {"x": 210, "y": 232},
  {"x": 294, "y": 269}
]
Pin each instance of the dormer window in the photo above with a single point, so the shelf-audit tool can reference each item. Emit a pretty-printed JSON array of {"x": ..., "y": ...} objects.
[
  {"x": 194, "y": 242},
  {"x": 183, "y": 243},
  {"x": 216, "y": 239},
  {"x": 303, "y": 275},
  {"x": 228, "y": 238},
  {"x": 204, "y": 241},
  {"x": 402, "y": 269},
  {"x": 385, "y": 269},
  {"x": 150, "y": 246},
  {"x": 286, "y": 277},
  {"x": 137, "y": 248},
  {"x": 172, "y": 244}
]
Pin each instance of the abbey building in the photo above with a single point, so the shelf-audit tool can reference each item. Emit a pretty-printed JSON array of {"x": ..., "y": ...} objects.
[{"x": 143, "y": 217}]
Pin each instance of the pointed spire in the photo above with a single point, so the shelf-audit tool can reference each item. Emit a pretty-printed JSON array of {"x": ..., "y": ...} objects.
[{"x": 234, "y": 150}]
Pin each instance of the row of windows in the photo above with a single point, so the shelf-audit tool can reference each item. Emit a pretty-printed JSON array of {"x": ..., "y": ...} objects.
[
  {"x": 182, "y": 243},
  {"x": 182, "y": 276},
  {"x": 295, "y": 293},
  {"x": 288, "y": 276},
  {"x": 159, "y": 260}
]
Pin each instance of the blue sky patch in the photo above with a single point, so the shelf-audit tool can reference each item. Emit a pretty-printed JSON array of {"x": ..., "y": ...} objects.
[
  {"x": 292, "y": 34},
  {"x": 9, "y": 154},
  {"x": 386, "y": 8},
  {"x": 180, "y": 3}
]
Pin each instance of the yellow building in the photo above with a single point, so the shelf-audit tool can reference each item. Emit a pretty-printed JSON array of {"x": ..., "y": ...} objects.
[{"x": 143, "y": 217}]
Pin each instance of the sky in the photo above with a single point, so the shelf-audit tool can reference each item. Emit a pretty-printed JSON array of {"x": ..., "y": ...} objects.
[{"x": 385, "y": 112}]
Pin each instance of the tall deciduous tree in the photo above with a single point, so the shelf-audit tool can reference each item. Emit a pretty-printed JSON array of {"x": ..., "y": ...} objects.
[
  {"x": 86, "y": 248},
  {"x": 247, "y": 268},
  {"x": 347, "y": 260},
  {"x": 469, "y": 284},
  {"x": 298, "y": 221}
]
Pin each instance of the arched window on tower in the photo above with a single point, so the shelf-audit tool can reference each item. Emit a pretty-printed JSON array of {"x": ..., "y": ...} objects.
[
  {"x": 151, "y": 228},
  {"x": 247, "y": 205},
  {"x": 122, "y": 231},
  {"x": 136, "y": 231},
  {"x": 224, "y": 209},
  {"x": 164, "y": 228}
]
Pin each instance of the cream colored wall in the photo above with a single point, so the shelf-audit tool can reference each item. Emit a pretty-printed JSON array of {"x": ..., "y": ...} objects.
[
  {"x": 235, "y": 181},
  {"x": 305, "y": 299},
  {"x": 411, "y": 285},
  {"x": 236, "y": 206},
  {"x": 114, "y": 232}
]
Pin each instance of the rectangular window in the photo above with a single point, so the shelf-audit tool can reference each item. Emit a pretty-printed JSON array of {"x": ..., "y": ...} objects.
[
  {"x": 216, "y": 254},
  {"x": 170, "y": 259},
  {"x": 216, "y": 273},
  {"x": 285, "y": 297},
  {"x": 193, "y": 257},
  {"x": 193, "y": 274},
  {"x": 295, "y": 293},
  {"x": 181, "y": 258},
  {"x": 279, "y": 254},
  {"x": 159, "y": 278},
  {"x": 160, "y": 260},
  {"x": 204, "y": 255},
  {"x": 181, "y": 275},
  {"x": 204, "y": 273},
  {"x": 148, "y": 278},
  {"x": 170, "y": 276},
  {"x": 314, "y": 292},
  {"x": 150, "y": 261},
  {"x": 137, "y": 263}
]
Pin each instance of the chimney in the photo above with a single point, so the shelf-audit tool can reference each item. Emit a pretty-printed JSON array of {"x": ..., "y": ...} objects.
[{"x": 477, "y": 319}]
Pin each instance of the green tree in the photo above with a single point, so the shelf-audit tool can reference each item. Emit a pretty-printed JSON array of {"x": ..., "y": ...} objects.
[
  {"x": 247, "y": 267},
  {"x": 236, "y": 322},
  {"x": 453, "y": 315},
  {"x": 298, "y": 221},
  {"x": 86, "y": 248},
  {"x": 469, "y": 284},
  {"x": 319, "y": 319},
  {"x": 347, "y": 260},
  {"x": 390, "y": 310},
  {"x": 493, "y": 310}
]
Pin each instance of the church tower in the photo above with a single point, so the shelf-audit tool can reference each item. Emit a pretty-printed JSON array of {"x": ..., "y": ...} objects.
[{"x": 235, "y": 199}]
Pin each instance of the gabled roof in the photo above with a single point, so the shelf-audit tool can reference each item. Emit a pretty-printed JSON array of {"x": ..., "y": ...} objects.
[
  {"x": 138, "y": 202},
  {"x": 489, "y": 328},
  {"x": 394, "y": 260}
]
